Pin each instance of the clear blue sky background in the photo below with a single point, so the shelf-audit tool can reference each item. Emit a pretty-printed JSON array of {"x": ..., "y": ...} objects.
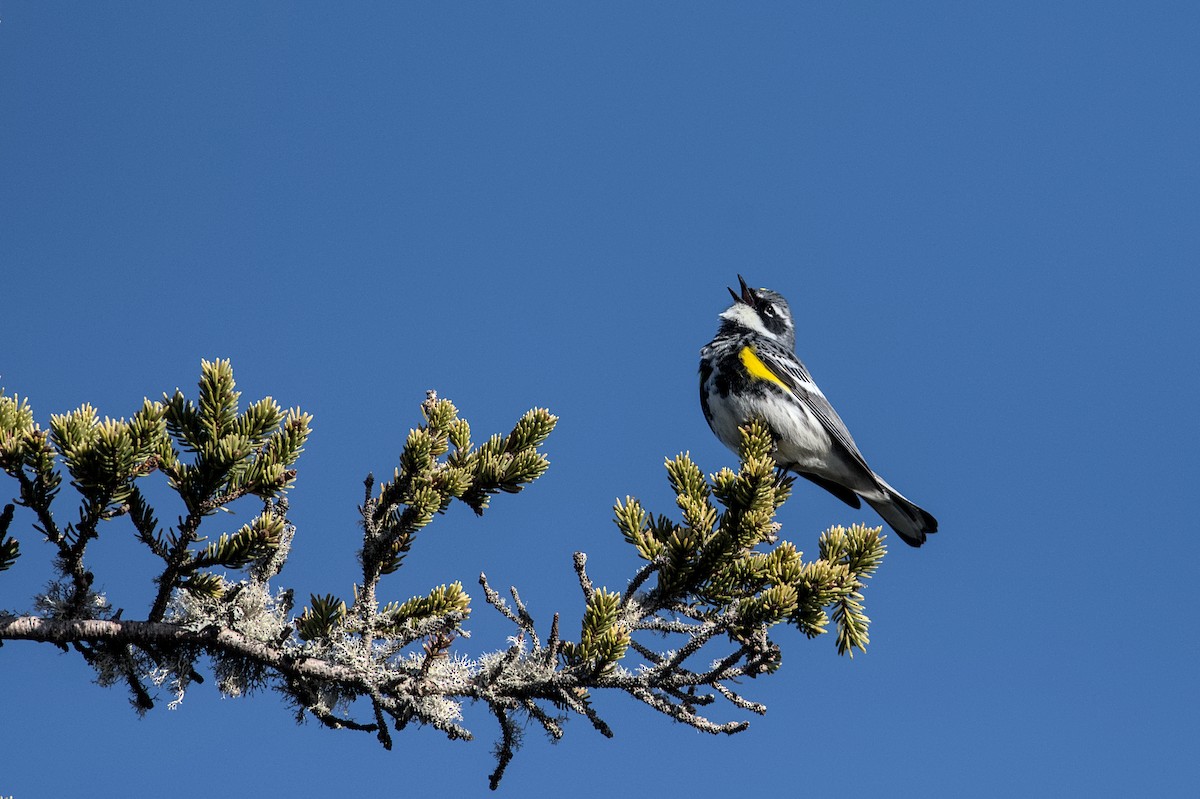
[{"x": 986, "y": 217}]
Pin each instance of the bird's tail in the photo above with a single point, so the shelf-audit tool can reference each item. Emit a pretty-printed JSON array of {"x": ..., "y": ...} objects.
[{"x": 911, "y": 522}]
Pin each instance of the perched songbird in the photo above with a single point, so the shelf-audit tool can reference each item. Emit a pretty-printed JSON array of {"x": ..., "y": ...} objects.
[{"x": 750, "y": 370}]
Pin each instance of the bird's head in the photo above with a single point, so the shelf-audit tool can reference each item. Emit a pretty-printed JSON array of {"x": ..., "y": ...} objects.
[{"x": 762, "y": 311}]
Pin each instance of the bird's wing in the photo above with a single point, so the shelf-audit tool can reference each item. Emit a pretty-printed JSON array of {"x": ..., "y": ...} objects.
[{"x": 793, "y": 375}]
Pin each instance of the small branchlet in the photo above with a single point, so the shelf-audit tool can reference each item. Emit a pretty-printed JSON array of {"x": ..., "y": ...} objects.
[
  {"x": 859, "y": 551},
  {"x": 440, "y": 602},
  {"x": 253, "y": 541},
  {"x": 232, "y": 454},
  {"x": 440, "y": 464},
  {"x": 204, "y": 584},
  {"x": 603, "y": 638},
  {"x": 27, "y": 456},
  {"x": 321, "y": 618}
]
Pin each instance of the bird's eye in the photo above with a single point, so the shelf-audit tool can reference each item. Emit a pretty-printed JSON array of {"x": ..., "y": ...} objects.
[{"x": 768, "y": 310}]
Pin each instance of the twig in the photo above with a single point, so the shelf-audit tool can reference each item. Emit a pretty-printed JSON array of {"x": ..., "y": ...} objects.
[
  {"x": 495, "y": 600},
  {"x": 524, "y": 619},
  {"x": 506, "y": 747},
  {"x": 585, "y": 582}
]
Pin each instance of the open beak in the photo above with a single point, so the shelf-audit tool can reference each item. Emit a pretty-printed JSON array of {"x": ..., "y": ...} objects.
[{"x": 747, "y": 296}]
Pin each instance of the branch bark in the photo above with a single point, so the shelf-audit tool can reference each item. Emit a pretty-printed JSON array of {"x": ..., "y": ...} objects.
[{"x": 166, "y": 634}]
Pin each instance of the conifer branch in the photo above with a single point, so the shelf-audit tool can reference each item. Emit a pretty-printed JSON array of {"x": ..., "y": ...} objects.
[{"x": 694, "y": 618}]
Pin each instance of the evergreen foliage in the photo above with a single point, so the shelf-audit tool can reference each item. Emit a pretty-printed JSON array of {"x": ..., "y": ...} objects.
[{"x": 695, "y": 617}]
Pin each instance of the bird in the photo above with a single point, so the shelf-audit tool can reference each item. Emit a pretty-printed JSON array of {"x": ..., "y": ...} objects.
[{"x": 750, "y": 370}]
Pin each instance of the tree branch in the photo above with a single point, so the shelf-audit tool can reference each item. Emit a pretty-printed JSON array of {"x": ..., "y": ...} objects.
[{"x": 713, "y": 584}]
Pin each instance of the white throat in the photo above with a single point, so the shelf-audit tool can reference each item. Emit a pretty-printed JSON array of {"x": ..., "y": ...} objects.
[{"x": 744, "y": 315}]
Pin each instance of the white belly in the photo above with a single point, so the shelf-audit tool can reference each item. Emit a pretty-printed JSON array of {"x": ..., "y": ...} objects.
[{"x": 802, "y": 440}]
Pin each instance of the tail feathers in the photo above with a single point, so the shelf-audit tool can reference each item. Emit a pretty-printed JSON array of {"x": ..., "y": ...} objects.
[{"x": 910, "y": 522}]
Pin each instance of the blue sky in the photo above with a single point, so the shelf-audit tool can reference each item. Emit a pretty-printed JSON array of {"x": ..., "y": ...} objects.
[{"x": 986, "y": 217}]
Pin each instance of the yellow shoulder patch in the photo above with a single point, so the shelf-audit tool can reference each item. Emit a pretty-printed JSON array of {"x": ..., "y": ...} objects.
[{"x": 758, "y": 369}]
